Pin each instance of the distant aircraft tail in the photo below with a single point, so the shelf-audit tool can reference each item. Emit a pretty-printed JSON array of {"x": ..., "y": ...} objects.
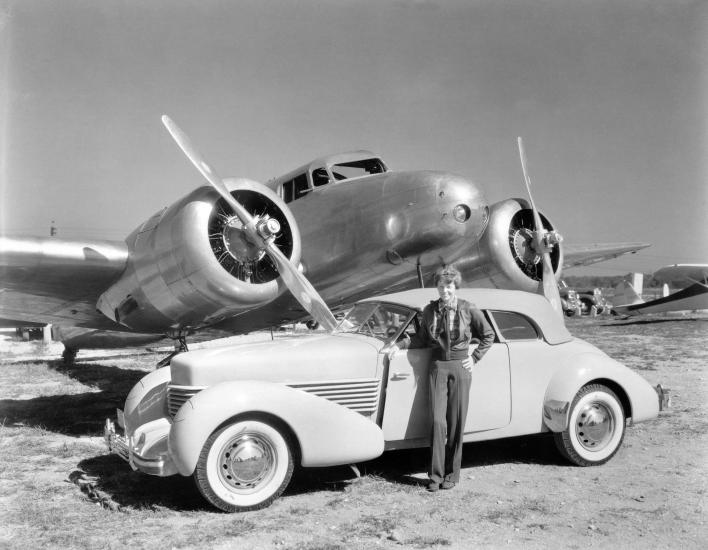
[{"x": 625, "y": 295}]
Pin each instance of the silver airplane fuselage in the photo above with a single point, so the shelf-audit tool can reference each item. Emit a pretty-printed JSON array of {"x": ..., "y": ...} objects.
[{"x": 367, "y": 235}]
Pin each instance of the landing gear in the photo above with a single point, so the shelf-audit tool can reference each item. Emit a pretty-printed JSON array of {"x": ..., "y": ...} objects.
[
  {"x": 68, "y": 356},
  {"x": 180, "y": 347}
]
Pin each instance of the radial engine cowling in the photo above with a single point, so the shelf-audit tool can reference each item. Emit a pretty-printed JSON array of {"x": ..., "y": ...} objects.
[
  {"x": 190, "y": 265},
  {"x": 504, "y": 256}
]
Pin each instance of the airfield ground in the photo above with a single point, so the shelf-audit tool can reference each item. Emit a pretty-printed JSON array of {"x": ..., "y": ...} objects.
[{"x": 59, "y": 488}]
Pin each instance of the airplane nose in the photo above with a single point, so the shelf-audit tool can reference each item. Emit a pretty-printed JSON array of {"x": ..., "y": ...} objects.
[
  {"x": 464, "y": 206},
  {"x": 437, "y": 212}
]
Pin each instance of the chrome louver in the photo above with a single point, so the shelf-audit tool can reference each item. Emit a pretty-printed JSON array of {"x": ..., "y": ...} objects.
[
  {"x": 178, "y": 396},
  {"x": 361, "y": 396}
]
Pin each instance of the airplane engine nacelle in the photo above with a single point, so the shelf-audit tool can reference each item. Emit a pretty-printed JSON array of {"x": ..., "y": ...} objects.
[
  {"x": 191, "y": 264},
  {"x": 503, "y": 257}
]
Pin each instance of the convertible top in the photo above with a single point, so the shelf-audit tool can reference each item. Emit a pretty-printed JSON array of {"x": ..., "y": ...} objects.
[{"x": 531, "y": 305}]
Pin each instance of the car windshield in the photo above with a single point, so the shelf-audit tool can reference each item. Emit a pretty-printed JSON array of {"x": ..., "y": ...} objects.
[{"x": 382, "y": 321}]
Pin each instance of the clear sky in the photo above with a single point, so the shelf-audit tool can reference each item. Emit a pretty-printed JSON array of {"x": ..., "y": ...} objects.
[{"x": 610, "y": 98}]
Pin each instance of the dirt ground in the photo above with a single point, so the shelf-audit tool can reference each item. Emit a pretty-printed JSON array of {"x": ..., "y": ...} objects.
[{"x": 59, "y": 488}]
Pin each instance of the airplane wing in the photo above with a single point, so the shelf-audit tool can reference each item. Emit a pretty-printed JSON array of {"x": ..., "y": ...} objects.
[
  {"x": 51, "y": 280},
  {"x": 690, "y": 298},
  {"x": 587, "y": 254},
  {"x": 681, "y": 274}
]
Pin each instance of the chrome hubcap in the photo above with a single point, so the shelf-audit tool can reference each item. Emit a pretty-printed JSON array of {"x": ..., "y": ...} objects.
[
  {"x": 594, "y": 426},
  {"x": 247, "y": 461}
]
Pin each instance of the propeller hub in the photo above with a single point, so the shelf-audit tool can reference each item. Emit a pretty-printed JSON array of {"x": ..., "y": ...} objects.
[
  {"x": 238, "y": 244},
  {"x": 268, "y": 227},
  {"x": 552, "y": 238},
  {"x": 523, "y": 242}
]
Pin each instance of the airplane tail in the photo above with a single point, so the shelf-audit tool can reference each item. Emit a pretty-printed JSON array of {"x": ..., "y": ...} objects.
[{"x": 625, "y": 295}]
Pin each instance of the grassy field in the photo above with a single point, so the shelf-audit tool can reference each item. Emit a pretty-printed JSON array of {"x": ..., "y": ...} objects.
[{"x": 59, "y": 488}]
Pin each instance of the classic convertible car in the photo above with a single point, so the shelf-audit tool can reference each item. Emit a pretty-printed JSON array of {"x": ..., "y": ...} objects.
[{"x": 239, "y": 418}]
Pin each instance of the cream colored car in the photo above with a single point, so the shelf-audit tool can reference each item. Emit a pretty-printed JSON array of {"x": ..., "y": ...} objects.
[{"x": 240, "y": 418}]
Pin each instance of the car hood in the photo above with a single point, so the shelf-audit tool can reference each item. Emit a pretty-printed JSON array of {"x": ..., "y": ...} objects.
[{"x": 286, "y": 360}]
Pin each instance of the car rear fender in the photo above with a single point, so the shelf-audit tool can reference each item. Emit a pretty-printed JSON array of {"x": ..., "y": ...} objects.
[
  {"x": 327, "y": 433},
  {"x": 638, "y": 398}
]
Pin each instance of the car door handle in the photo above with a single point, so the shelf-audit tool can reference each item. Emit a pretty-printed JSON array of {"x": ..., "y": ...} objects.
[{"x": 400, "y": 375}]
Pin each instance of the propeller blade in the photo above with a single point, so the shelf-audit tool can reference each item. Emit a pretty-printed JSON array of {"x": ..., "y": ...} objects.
[
  {"x": 536, "y": 216},
  {"x": 296, "y": 282},
  {"x": 549, "y": 287},
  {"x": 301, "y": 288},
  {"x": 207, "y": 171}
]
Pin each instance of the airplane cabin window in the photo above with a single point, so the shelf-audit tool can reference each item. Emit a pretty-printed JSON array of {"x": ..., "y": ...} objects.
[
  {"x": 356, "y": 169},
  {"x": 319, "y": 177},
  {"x": 514, "y": 326},
  {"x": 295, "y": 188},
  {"x": 288, "y": 191},
  {"x": 301, "y": 187}
]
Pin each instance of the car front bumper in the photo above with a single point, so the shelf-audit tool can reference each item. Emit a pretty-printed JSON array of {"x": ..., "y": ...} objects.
[{"x": 145, "y": 450}]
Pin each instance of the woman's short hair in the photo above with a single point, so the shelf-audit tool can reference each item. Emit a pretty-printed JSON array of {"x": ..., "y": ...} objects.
[{"x": 448, "y": 274}]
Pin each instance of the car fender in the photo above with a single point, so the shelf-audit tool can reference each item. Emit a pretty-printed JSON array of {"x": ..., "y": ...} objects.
[
  {"x": 146, "y": 401},
  {"x": 328, "y": 434},
  {"x": 584, "y": 368}
]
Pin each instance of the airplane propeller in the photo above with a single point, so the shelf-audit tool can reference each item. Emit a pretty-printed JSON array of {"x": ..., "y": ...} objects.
[
  {"x": 261, "y": 231},
  {"x": 543, "y": 241}
]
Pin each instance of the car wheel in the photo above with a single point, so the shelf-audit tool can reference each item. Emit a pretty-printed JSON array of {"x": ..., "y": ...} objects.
[
  {"x": 585, "y": 306},
  {"x": 244, "y": 466},
  {"x": 595, "y": 427}
]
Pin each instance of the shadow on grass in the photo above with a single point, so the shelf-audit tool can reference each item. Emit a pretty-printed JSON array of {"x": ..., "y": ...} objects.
[
  {"x": 137, "y": 491},
  {"x": 134, "y": 490},
  {"x": 410, "y": 466},
  {"x": 74, "y": 414},
  {"x": 649, "y": 321},
  {"x": 400, "y": 466}
]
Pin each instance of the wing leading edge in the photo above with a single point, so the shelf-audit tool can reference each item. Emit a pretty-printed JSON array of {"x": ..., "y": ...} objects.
[
  {"x": 50, "y": 280},
  {"x": 587, "y": 254}
]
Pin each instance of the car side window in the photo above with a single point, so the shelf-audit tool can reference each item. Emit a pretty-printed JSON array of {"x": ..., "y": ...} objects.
[
  {"x": 514, "y": 326},
  {"x": 412, "y": 328}
]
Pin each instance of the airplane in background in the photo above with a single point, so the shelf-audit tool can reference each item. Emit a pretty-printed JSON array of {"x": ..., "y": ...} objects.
[
  {"x": 238, "y": 256},
  {"x": 691, "y": 298}
]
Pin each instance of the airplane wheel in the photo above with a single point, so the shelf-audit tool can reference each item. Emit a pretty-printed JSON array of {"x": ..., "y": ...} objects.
[
  {"x": 595, "y": 427},
  {"x": 68, "y": 356},
  {"x": 244, "y": 466}
]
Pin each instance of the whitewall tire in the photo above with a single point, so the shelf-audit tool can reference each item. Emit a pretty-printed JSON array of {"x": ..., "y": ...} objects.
[
  {"x": 244, "y": 466},
  {"x": 595, "y": 427}
]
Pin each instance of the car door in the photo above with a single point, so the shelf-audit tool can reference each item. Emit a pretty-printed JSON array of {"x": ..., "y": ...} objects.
[{"x": 406, "y": 417}]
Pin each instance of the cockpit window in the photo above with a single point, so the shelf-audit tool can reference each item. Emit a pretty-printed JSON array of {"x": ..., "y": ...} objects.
[
  {"x": 382, "y": 321},
  {"x": 320, "y": 177},
  {"x": 358, "y": 168},
  {"x": 295, "y": 188}
]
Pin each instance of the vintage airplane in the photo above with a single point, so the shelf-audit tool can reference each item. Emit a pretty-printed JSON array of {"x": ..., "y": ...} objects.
[
  {"x": 219, "y": 260},
  {"x": 692, "y": 297}
]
